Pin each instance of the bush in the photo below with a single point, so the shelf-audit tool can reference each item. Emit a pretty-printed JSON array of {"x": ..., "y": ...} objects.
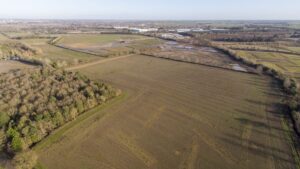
[
  {"x": 296, "y": 117},
  {"x": 4, "y": 119},
  {"x": 16, "y": 143},
  {"x": 25, "y": 160}
]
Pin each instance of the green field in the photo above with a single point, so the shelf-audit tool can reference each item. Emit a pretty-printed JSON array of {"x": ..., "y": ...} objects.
[
  {"x": 98, "y": 39},
  {"x": 2, "y": 37},
  {"x": 176, "y": 115},
  {"x": 107, "y": 44},
  {"x": 284, "y": 58},
  {"x": 60, "y": 54}
]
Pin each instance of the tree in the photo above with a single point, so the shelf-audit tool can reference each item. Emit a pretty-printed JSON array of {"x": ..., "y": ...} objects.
[
  {"x": 4, "y": 119},
  {"x": 25, "y": 160},
  {"x": 58, "y": 119},
  {"x": 259, "y": 69},
  {"x": 16, "y": 143},
  {"x": 287, "y": 83}
]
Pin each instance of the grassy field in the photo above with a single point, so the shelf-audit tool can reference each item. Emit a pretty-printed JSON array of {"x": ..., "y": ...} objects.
[
  {"x": 284, "y": 58},
  {"x": 176, "y": 115},
  {"x": 73, "y": 39},
  {"x": 14, "y": 34},
  {"x": 106, "y": 44},
  {"x": 56, "y": 53},
  {"x": 2, "y": 37},
  {"x": 6, "y": 66}
]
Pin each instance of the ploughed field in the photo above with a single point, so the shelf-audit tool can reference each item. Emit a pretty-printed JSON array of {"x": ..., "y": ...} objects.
[{"x": 176, "y": 115}]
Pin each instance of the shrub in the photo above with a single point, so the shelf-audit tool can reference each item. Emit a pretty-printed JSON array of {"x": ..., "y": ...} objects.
[
  {"x": 4, "y": 119},
  {"x": 25, "y": 160},
  {"x": 296, "y": 117},
  {"x": 16, "y": 143}
]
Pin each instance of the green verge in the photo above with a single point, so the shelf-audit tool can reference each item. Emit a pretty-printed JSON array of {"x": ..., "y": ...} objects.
[
  {"x": 57, "y": 134},
  {"x": 290, "y": 135}
]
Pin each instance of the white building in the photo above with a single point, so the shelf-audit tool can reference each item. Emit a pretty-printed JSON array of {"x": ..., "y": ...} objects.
[{"x": 143, "y": 30}]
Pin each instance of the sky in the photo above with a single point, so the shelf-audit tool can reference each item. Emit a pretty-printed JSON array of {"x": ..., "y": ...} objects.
[{"x": 151, "y": 9}]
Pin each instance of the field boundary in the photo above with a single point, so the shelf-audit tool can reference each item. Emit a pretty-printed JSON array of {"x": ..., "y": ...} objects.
[
  {"x": 81, "y": 66},
  {"x": 76, "y": 50},
  {"x": 58, "y": 133}
]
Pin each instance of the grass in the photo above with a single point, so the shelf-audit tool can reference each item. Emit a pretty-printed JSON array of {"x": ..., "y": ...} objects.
[
  {"x": 107, "y": 44},
  {"x": 99, "y": 39},
  {"x": 2, "y": 38},
  {"x": 285, "y": 63},
  {"x": 55, "y": 53},
  {"x": 295, "y": 49},
  {"x": 290, "y": 136}
]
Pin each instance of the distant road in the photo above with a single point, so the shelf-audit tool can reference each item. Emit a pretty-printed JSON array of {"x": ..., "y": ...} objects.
[{"x": 97, "y": 62}]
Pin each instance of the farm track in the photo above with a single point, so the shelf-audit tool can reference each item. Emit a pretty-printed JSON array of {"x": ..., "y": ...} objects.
[
  {"x": 177, "y": 115},
  {"x": 77, "y": 50},
  {"x": 96, "y": 62}
]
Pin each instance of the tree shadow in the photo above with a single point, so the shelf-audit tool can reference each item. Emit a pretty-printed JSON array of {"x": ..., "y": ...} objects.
[
  {"x": 261, "y": 132},
  {"x": 258, "y": 124},
  {"x": 257, "y": 115},
  {"x": 258, "y": 149}
]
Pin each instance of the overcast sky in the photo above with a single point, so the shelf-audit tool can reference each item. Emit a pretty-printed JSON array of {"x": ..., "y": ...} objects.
[{"x": 152, "y": 9}]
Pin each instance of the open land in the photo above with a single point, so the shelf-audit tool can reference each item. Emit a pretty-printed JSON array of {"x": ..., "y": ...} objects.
[
  {"x": 165, "y": 119},
  {"x": 282, "y": 56},
  {"x": 6, "y": 66},
  {"x": 106, "y": 44}
]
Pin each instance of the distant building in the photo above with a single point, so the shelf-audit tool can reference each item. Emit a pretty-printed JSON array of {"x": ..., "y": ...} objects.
[
  {"x": 219, "y": 30},
  {"x": 121, "y": 27},
  {"x": 183, "y": 30},
  {"x": 143, "y": 30},
  {"x": 172, "y": 36},
  {"x": 136, "y": 30},
  {"x": 199, "y": 30}
]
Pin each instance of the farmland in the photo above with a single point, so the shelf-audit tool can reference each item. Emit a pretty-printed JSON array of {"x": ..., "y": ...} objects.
[
  {"x": 176, "y": 115},
  {"x": 116, "y": 45},
  {"x": 106, "y": 44},
  {"x": 59, "y": 54},
  {"x": 281, "y": 56},
  {"x": 6, "y": 66}
]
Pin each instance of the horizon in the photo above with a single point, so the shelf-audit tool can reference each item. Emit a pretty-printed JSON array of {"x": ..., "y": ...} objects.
[
  {"x": 145, "y": 20},
  {"x": 190, "y": 10}
]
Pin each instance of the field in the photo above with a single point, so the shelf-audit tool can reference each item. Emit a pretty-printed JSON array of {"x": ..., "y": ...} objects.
[
  {"x": 197, "y": 55},
  {"x": 116, "y": 45},
  {"x": 59, "y": 54},
  {"x": 106, "y": 44},
  {"x": 285, "y": 59},
  {"x": 6, "y": 66},
  {"x": 175, "y": 115}
]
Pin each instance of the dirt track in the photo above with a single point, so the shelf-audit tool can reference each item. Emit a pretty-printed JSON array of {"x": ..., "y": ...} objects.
[{"x": 97, "y": 62}]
